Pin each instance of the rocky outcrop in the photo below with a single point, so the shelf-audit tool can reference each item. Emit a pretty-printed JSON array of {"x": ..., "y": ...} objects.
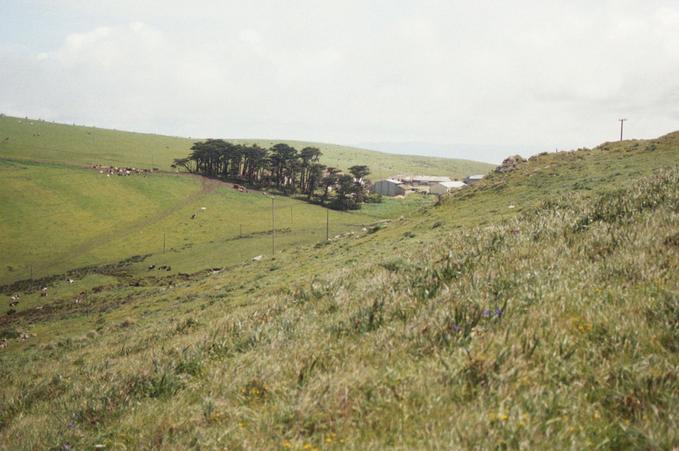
[{"x": 510, "y": 164}]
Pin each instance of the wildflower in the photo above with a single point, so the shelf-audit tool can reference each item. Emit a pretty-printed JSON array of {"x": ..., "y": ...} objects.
[
  {"x": 498, "y": 312},
  {"x": 456, "y": 327},
  {"x": 287, "y": 444},
  {"x": 486, "y": 313}
]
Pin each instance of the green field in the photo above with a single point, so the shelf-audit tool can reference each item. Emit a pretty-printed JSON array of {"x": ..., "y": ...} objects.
[
  {"x": 57, "y": 214},
  {"x": 35, "y": 140},
  {"x": 537, "y": 310},
  {"x": 56, "y": 218}
]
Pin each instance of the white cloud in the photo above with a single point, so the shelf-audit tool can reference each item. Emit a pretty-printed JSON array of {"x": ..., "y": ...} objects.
[{"x": 536, "y": 73}]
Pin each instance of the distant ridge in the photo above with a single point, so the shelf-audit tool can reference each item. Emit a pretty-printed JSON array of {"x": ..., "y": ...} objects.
[{"x": 38, "y": 140}]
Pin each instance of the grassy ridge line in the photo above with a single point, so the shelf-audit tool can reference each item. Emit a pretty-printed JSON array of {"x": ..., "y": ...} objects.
[
  {"x": 30, "y": 139},
  {"x": 467, "y": 338}
]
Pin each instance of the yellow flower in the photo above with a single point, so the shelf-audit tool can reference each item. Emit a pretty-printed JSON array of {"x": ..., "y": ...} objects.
[{"x": 287, "y": 444}]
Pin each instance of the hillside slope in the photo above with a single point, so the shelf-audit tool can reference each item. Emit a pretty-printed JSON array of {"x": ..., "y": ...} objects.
[
  {"x": 56, "y": 218},
  {"x": 35, "y": 140},
  {"x": 552, "y": 324}
]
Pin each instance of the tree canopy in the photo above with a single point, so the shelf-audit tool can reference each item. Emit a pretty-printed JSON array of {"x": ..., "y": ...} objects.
[{"x": 281, "y": 167}]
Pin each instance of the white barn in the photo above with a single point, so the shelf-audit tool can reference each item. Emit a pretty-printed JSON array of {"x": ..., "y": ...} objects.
[
  {"x": 421, "y": 179},
  {"x": 473, "y": 179},
  {"x": 444, "y": 187},
  {"x": 388, "y": 187}
]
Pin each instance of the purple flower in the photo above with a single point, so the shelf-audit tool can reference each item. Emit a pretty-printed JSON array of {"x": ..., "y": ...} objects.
[
  {"x": 486, "y": 313},
  {"x": 456, "y": 327},
  {"x": 498, "y": 312}
]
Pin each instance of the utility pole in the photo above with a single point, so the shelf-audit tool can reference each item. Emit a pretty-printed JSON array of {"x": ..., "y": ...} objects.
[
  {"x": 622, "y": 121},
  {"x": 327, "y": 224},
  {"x": 273, "y": 229}
]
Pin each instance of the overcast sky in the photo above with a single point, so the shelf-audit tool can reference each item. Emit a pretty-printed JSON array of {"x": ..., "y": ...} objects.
[{"x": 464, "y": 78}]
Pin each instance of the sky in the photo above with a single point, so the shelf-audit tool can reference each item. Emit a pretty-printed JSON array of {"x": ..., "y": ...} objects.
[{"x": 479, "y": 80}]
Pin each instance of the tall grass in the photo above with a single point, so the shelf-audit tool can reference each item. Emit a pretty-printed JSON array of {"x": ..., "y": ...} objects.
[{"x": 556, "y": 328}]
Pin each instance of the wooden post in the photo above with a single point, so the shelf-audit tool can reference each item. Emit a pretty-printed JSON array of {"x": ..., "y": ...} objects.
[
  {"x": 621, "y": 127},
  {"x": 273, "y": 229},
  {"x": 163, "y": 242}
]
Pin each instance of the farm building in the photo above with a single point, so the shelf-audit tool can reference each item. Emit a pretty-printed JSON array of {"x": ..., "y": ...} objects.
[
  {"x": 471, "y": 179},
  {"x": 421, "y": 179},
  {"x": 388, "y": 187},
  {"x": 444, "y": 187}
]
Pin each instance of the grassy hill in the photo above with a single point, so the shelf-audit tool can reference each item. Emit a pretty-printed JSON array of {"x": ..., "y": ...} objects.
[
  {"x": 56, "y": 215},
  {"x": 35, "y": 140},
  {"x": 538, "y": 309},
  {"x": 57, "y": 218}
]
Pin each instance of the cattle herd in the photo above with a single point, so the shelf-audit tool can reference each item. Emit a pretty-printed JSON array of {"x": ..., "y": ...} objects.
[{"x": 122, "y": 171}]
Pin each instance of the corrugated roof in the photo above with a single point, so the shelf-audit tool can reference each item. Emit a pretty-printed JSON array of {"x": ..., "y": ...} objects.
[
  {"x": 453, "y": 184},
  {"x": 423, "y": 178}
]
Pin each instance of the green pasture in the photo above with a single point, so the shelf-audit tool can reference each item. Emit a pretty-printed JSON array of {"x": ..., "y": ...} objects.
[{"x": 56, "y": 218}]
